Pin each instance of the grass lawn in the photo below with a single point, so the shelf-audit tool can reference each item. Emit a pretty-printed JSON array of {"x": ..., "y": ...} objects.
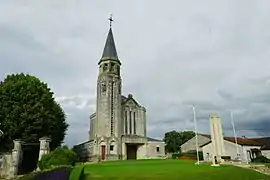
[{"x": 167, "y": 170}]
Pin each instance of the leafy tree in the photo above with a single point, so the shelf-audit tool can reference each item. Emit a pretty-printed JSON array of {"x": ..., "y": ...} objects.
[
  {"x": 28, "y": 111},
  {"x": 175, "y": 139}
]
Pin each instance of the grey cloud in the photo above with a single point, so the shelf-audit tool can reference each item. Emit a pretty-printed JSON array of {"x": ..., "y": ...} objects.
[{"x": 214, "y": 54}]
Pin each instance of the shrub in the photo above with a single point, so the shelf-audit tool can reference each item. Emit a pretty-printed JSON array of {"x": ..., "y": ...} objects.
[
  {"x": 77, "y": 173},
  {"x": 261, "y": 159},
  {"x": 175, "y": 155},
  {"x": 59, "y": 157}
]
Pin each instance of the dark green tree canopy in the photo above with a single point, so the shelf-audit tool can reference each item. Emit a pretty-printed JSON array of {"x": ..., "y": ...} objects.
[
  {"x": 28, "y": 111},
  {"x": 174, "y": 140}
]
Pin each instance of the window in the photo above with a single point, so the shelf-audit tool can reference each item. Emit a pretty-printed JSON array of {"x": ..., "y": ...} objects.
[
  {"x": 112, "y": 67},
  {"x": 111, "y": 147},
  {"x": 126, "y": 123},
  {"x": 130, "y": 122},
  {"x": 157, "y": 149},
  {"x": 105, "y": 67},
  {"x": 134, "y": 122}
]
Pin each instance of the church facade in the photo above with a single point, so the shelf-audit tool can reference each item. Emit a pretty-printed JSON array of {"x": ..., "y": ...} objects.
[{"x": 118, "y": 127}]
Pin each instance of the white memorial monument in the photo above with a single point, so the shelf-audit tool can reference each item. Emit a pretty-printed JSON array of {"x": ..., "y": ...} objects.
[{"x": 217, "y": 139}]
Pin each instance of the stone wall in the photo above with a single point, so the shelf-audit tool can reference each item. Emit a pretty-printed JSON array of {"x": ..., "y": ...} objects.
[
  {"x": 84, "y": 150},
  {"x": 9, "y": 162},
  {"x": 5, "y": 164},
  {"x": 156, "y": 150}
]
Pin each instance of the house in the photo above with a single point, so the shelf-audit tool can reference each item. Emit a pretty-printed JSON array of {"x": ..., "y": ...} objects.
[{"x": 246, "y": 148}]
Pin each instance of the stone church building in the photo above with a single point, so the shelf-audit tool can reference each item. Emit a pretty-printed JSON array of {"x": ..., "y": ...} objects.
[{"x": 118, "y": 127}]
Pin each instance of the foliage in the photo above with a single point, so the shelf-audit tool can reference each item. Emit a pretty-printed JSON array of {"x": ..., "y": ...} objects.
[
  {"x": 167, "y": 169},
  {"x": 261, "y": 159},
  {"x": 175, "y": 155},
  {"x": 174, "y": 140},
  {"x": 77, "y": 173},
  {"x": 60, "y": 156},
  {"x": 28, "y": 111}
]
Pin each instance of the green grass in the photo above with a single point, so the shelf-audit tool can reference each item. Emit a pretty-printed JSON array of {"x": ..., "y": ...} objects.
[
  {"x": 168, "y": 170},
  {"x": 77, "y": 172}
]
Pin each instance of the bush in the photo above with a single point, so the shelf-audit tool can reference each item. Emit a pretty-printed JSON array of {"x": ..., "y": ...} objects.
[
  {"x": 77, "y": 173},
  {"x": 175, "y": 155},
  {"x": 59, "y": 157},
  {"x": 261, "y": 159}
]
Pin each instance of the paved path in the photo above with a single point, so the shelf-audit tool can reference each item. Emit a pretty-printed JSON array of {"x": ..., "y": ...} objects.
[{"x": 256, "y": 167}]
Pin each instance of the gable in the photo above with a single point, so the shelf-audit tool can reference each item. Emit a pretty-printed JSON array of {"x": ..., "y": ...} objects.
[{"x": 129, "y": 101}]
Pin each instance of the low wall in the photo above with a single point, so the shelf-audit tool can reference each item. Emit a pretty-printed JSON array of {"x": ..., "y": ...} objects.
[{"x": 57, "y": 174}]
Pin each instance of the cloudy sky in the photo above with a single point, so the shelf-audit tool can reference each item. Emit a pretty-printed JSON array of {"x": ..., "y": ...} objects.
[{"x": 215, "y": 54}]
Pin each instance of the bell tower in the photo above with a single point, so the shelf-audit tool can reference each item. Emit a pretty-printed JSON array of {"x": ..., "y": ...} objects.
[{"x": 109, "y": 91}]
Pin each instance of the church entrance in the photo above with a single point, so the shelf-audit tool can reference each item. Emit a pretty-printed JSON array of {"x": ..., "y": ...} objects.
[
  {"x": 103, "y": 152},
  {"x": 131, "y": 151},
  {"x": 30, "y": 154}
]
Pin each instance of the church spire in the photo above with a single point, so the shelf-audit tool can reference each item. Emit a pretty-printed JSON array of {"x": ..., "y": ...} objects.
[{"x": 109, "y": 52}]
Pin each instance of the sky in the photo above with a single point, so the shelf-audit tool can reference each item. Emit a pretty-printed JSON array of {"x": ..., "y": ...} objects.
[{"x": 174, "y": 53}]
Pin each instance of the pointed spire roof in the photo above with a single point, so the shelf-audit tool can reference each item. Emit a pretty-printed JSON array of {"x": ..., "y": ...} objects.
[{"x": 109, "y": 52}]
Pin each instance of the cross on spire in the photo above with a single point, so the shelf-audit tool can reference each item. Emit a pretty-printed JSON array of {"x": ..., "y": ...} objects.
[{"x": 111, "y": 20}]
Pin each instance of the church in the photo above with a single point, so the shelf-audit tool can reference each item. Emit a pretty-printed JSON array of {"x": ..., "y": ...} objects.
[{"x": 118, "y": 127}]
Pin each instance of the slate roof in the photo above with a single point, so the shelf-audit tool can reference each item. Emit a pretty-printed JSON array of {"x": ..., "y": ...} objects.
[{"x": 109, "y": 52}]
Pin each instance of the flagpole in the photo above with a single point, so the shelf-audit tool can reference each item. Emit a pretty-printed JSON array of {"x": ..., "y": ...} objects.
[
  {"x": 234, "y": 132},
  {"x": 196, "y": 135}
]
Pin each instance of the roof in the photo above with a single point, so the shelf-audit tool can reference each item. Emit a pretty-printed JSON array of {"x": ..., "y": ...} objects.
[
  {"x": 109, "y": 52},
  {"x": 206, "y": 135},
  {"x": 265, "y": 141},
  {"x": 152, "y": 139},
  {"x": 243, "y": 141}
]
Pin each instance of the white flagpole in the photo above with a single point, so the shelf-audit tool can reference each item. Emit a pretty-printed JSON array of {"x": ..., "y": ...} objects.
[
  {"x": 196, "y": 135},
  {"x": 234, "y": 132}
]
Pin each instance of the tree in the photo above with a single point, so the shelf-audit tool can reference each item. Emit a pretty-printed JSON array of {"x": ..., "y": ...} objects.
[
  {"x": 174, "y": 140},
  {"x": 28, "y": 111}
]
